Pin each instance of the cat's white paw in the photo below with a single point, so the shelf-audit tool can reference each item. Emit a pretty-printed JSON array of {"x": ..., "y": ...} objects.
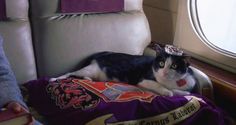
[
  {"x": 52, "y": 79},
  {"x": 88, "y": 78},
  {"x": 186, "y": 93},
  {"x": 180, "y": 92},
  {"x": 167, "y": 93}
]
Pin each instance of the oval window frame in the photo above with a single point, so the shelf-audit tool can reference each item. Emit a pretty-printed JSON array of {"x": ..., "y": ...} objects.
[{"x": 194, "y": 20}]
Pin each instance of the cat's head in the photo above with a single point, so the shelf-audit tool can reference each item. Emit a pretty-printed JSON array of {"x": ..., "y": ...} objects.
[{"x": 170, "y": 63}]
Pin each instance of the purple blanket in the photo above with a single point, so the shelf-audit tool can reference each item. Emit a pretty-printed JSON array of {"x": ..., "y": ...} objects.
[
  {"x": 79, "y": 102},
  {"x": 91, "y": 6},
  {"x": 2, "y": 10}
]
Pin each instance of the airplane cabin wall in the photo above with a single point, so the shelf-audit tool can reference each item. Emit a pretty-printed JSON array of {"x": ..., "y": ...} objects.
[{"x": 162, "y": 15}]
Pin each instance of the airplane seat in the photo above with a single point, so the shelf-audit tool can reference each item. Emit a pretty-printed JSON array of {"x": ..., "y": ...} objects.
[{"x": 41, "y": 39}]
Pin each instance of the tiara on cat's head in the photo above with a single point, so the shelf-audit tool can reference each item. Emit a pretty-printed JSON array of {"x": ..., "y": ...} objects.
[{"x": 173, "y": 50}]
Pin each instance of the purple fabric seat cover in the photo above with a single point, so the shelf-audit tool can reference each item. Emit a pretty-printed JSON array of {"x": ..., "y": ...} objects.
[
  {"x": 91, "y": 6},
  {"x": 2, "y": 10}
]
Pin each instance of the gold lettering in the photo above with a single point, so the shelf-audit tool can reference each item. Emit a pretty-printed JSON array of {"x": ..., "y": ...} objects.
[
  {"x": 174, "y": 115},
  {"x": 169, "y": 118},
  {"x": 164, "y": 121}
]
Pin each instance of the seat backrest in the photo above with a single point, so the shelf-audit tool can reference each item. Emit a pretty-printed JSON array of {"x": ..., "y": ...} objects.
[
  {"x": 62, "y": 40},
  {"x": 16, "y": 33}
]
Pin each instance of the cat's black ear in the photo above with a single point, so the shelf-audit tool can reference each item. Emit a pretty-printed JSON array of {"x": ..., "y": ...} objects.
[
  {"x": 187, "y": 59},
  {"x": 159, "y": 50}
]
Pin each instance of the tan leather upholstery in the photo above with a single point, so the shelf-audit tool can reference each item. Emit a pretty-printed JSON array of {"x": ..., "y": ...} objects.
[
  {"x": 62, "y": 40},
  {"x": 16, "y": 33}
]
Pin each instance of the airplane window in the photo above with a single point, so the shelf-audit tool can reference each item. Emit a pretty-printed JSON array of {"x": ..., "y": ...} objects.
[{"x": 216, "y": 20}]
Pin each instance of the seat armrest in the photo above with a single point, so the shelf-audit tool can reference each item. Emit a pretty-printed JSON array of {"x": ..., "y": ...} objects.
[{"x": 204, "y": 84}]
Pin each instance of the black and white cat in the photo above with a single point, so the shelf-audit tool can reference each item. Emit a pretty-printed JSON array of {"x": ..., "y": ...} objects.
[{"x": 167, "y": 74}]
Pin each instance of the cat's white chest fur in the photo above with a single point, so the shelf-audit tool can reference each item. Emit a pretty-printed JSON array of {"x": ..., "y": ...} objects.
[
  {"x": 170, "y": 87},
  {"x": 185, "y": 83}
]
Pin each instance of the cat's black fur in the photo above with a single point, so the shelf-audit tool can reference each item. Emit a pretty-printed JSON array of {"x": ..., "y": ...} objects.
[{"x": 124, "y": 67}]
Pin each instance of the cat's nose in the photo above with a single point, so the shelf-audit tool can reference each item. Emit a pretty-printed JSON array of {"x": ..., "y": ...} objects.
[{"x": 165, "y": 73}]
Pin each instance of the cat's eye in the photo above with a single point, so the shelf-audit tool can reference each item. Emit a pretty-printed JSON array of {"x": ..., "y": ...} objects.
[
  {"x": 173, "y": 66},
  {"x": 161, "y": 64}
]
